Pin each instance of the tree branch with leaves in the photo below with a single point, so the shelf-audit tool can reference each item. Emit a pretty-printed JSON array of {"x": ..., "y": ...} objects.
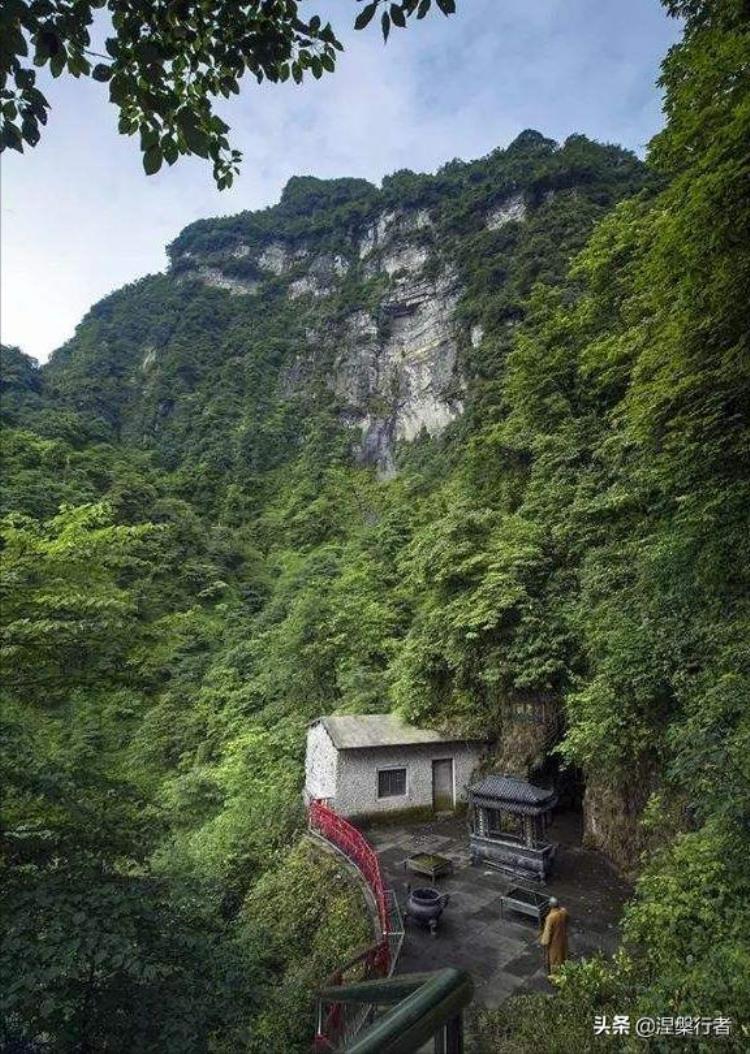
[{"x": 166, "y": 63}]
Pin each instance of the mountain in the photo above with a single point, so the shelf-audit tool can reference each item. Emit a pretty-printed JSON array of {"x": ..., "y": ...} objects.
[
  {"x": 362, "y": 304},
  {"x": 454, "y": 446}
]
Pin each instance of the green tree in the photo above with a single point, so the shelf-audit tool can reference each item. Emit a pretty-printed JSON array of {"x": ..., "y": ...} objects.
[
  {"x": 581, "y": 529},
  {"x": 165, "y": 64},
  {"x": 96, "y": 943}
]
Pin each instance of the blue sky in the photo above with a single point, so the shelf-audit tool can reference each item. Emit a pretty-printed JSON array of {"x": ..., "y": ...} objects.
[{"x": 81, "y": 219}]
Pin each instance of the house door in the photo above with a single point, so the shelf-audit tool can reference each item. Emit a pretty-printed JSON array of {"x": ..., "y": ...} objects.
[{"x": 442, "y": 785}]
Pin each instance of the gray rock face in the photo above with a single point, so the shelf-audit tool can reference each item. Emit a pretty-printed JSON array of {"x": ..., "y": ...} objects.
[
  {"x": 320, "y": 277},
  {"x": 278, "y": 258},
  {"x": 213, "y": 276},
  {"x": 513, "y": 208},
  {"x": 396, "y": 374},
  {"x": 396, "y": 371},
  {"x": 476, "y": 335},
  {"x": 391, "y": 226},
  {"x": 404, "y": 259},
  {"x": 394, "y": 368}
]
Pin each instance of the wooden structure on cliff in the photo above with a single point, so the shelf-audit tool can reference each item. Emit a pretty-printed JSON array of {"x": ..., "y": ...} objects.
[{"x": 508, "y": 818}]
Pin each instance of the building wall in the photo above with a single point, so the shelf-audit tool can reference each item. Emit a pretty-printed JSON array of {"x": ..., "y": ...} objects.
[
  {"x": 321, "y": 764},
  {"x": 357, "y": 776}
]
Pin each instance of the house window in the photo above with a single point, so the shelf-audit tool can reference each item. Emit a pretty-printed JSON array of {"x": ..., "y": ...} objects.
[{"x": 391, "y": 783}]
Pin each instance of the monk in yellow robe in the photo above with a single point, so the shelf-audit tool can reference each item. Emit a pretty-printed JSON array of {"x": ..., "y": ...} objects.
[{"x": 554, "y": 938}]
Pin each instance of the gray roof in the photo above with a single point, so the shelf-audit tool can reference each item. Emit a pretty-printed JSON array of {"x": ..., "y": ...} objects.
[
  {"x": 358, "y": 731},
  {"x": 514, "y": 794}
]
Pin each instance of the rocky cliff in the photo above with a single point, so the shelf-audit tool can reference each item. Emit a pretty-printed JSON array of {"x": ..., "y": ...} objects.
[
  {"x": 201, "y": 559},
  {"x": 383, "y": 297},
  {"x": 292, "y": 358},
  {"x": 381, "y": 283},
  {"x": 394, "y": 369}
]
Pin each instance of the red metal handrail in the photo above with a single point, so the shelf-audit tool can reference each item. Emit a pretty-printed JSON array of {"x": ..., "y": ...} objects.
[
  {"x": 336, "y": 1024},
  {"x": 353, "y": 844}
]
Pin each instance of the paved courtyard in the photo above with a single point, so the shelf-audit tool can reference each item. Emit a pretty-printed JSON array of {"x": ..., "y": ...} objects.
[{"x": 502, "y": 954}]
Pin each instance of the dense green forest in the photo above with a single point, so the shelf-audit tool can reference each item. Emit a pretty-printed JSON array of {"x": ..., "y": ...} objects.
[{"x": 196, "y": 562}]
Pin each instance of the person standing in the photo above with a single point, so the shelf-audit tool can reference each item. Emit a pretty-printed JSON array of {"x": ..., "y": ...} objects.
[{"x": 554, "y": 938}]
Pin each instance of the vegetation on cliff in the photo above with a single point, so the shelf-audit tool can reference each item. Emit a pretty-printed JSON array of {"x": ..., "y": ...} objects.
[{"x": 194, "y": 565}]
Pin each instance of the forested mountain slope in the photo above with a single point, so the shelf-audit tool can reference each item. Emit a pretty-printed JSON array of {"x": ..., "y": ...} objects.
[{"x": 439, "y": 445}]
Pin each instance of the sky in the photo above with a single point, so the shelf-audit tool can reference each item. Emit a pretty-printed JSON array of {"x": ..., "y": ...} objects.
[{"x": 80, "y": 218}]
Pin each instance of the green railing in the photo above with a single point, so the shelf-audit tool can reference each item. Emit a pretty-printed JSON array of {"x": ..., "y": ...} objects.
[{"x": 423, "y": 1007}]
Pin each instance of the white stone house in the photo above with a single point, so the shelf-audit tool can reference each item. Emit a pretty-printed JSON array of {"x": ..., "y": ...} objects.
[{"x": 362, "y": 765}]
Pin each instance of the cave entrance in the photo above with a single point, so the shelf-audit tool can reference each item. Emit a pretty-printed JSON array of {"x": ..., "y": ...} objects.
[{"x": 569, "y": 782}]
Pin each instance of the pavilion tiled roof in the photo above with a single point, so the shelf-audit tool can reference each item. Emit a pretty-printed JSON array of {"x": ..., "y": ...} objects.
[{"x": 513, "y": 794}]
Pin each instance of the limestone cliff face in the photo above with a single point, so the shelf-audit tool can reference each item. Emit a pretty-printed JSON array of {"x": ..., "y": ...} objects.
[
  {"x": 397, "y": 372},
  {"x": 395, "y": 367},
  {"x": 383, "y": 305}
]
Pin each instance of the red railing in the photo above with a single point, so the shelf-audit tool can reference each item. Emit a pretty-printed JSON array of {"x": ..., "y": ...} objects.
[
  {"x": 353, "y": 844},
  {"x": 338, "y": 1022}
]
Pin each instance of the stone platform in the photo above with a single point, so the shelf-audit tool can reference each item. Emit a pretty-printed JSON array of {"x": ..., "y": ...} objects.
[{"x": 503, "y": 955}]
